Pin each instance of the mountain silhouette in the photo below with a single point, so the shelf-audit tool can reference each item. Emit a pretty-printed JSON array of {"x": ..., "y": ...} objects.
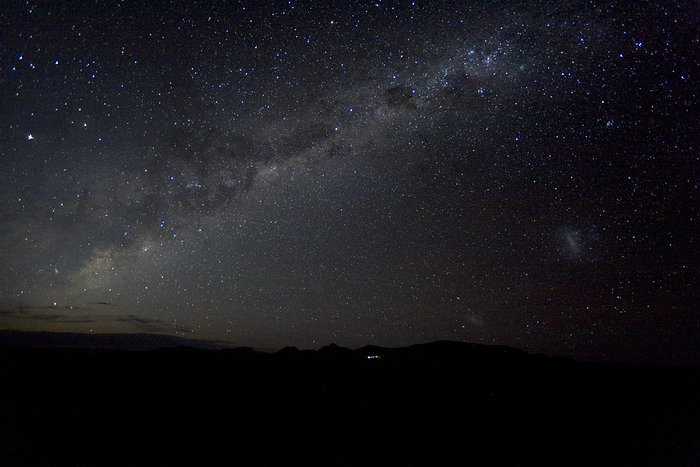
[
  {"x": 101, "y": 341},
  {"x": 439, "y": 403}
]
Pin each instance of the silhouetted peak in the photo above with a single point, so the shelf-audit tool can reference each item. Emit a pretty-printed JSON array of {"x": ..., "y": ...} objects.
[
  {"x": 334, "y": 349},
  {"x": 453, "y": 351}
]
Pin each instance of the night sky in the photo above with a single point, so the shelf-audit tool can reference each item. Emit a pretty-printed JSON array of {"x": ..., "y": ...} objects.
[{"x": 358, "y": 172}]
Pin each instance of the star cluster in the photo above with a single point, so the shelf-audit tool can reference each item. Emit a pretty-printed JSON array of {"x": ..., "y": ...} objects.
[{"x": 273, "y": 173}]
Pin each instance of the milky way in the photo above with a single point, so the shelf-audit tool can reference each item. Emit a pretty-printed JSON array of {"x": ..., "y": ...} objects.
[{"x": 518, "y": 173}]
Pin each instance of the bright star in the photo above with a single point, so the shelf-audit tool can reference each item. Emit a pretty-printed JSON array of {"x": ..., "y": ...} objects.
[{"x": 30, "y": 137}]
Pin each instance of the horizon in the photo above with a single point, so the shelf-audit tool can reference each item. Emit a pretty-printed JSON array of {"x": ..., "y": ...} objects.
[{"x": 145, "y": 341}]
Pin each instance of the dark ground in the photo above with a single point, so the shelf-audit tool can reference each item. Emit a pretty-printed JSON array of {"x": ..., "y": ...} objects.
[{"x": 442, "y": 403}]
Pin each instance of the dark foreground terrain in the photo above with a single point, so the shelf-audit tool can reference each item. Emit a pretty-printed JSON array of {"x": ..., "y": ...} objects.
[{"x": 442, "y": 403}]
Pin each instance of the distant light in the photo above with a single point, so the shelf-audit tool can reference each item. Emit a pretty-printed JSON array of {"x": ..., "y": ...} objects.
[
  {"x": 30, "y": 137},
  {"x": 373, "y": 357}
]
